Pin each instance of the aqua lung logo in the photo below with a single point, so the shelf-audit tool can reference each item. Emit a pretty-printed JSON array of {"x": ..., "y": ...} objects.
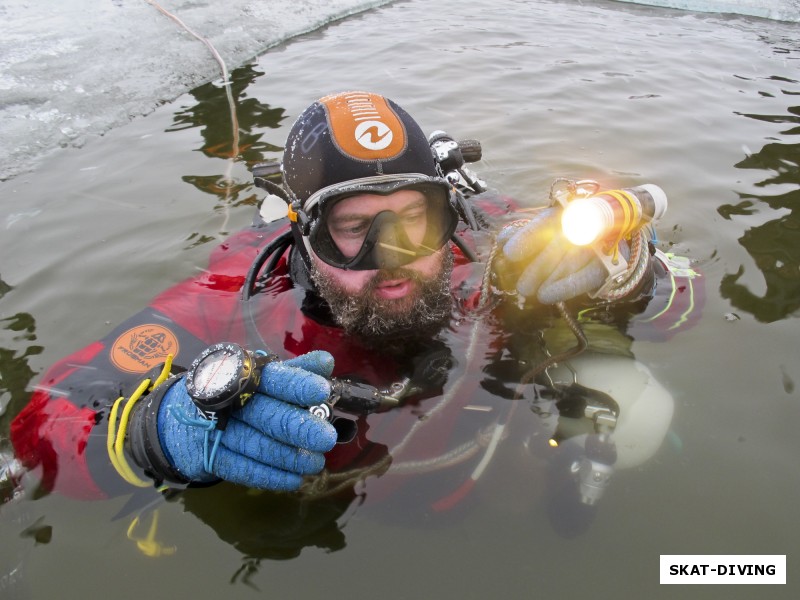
[
  {"x": 364, "y": 126},
  {"x": 374, "y": 135}
]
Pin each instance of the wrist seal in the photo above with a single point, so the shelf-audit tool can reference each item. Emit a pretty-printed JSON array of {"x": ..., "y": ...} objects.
[{"x": 143, "y": 441}]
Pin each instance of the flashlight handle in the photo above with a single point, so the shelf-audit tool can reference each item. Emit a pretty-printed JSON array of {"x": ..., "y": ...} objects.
[
  {"x": 652, "y": 199},
  {"x": 471, "y": 150},
  {"x": 627, "y": 210},
  {"x": 357, "y": 398}
]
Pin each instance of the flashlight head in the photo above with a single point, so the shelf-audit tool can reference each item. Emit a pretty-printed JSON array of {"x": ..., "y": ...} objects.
[
  {"x": 588, "y": 219},
  {"x": 585, "y": 220}
]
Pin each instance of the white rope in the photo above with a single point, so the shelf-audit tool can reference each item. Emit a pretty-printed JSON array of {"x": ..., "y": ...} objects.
[{"x": 231, "y": 104}]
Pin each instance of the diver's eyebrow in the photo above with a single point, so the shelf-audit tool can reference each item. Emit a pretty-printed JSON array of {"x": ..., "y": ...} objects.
[
  {"x": 420, "y": 203},
  {"x": 353, "y": 217}
]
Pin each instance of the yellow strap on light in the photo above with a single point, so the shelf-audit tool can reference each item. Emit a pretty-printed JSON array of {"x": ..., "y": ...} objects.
[
  {"x": 630, "y": 210},
  {"x": 630, "y": 206}
]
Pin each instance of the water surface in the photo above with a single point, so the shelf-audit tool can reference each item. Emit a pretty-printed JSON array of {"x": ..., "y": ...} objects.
[{"x": 703, "y": 105}]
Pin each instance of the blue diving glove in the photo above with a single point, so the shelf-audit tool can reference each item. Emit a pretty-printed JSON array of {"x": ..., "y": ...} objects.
[
  {"x": 547, "y": 266},
  {"x": 269, "y": 443}
]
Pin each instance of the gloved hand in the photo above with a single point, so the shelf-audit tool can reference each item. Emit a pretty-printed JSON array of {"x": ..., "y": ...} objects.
[
  {"x": 269, "y": 443},
  {"x": 539, "y": 262}
]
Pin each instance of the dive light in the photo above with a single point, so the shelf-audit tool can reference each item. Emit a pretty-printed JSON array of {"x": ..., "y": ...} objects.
[
  {"x": 615, "y": 213},
  {"x": 602, "y": 219}
]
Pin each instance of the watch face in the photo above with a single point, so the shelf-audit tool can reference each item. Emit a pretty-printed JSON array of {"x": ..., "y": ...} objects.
[{"x": 216, "y": 373}]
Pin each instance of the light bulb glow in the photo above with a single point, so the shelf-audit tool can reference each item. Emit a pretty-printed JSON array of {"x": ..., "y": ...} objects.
[{"x": 584, "y": 220}]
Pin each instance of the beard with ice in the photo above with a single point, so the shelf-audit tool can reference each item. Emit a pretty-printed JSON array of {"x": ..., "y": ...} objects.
[{"x": 365, "y": 314}]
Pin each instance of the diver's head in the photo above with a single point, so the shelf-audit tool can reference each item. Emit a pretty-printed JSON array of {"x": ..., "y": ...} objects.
[
  {"x": 356, "y": 144},
  {"x": 373, "y": 212}
]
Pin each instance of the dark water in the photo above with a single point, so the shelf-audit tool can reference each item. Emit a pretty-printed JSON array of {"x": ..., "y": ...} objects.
[{"x": 704, "y": 106}]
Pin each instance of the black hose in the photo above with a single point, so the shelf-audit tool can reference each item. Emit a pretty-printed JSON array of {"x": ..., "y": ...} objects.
[{"x": 272, "y": 250}]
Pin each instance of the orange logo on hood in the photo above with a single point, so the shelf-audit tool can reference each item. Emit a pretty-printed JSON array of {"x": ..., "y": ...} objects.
[
  {"x": 143, "y": 347},
  {"x": 365, "y": 126}
]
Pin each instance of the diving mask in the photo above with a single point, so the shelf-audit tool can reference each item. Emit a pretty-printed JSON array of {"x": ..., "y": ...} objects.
[{"x": 380, "y": 232}]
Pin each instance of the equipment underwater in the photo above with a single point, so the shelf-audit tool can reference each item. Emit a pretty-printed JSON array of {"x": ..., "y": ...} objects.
[{"x": 595, "y": 466}]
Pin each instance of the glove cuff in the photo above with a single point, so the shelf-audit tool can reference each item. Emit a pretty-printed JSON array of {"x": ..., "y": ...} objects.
[{"x": 143, "y": 440}]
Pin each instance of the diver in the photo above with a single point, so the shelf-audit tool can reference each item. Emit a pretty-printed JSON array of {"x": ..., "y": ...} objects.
[{"x": 302, "y": 358}]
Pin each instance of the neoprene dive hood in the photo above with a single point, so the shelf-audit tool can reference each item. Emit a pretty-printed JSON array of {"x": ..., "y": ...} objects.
[
  {"x": 350, "y": 136},
  {"x": 357, "y": 143}
]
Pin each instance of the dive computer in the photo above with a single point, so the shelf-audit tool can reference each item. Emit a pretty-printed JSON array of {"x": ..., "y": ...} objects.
[{"x": 224, "y": 377}]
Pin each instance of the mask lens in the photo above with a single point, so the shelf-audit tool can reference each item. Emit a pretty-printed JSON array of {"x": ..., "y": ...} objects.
[{"x": 354, "y": 233}]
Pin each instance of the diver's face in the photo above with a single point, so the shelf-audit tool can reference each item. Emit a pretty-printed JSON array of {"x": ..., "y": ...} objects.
[
  {"x": 375, "y": 302},
  {"x": 350, "y": 221}
]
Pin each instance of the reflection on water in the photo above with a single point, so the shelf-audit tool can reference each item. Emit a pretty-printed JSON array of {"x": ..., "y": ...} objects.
[
  {"x": 775, "y": 245},
  {"x": 16, "y": 331},
  {"x": 647, "y": 511},
  {"x": 234, "y": 136}
]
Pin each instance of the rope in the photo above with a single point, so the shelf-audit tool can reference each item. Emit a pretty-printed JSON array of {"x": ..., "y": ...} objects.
[
  {"x": 226, "y": 82},
  {"x": 637, "y": 266}
]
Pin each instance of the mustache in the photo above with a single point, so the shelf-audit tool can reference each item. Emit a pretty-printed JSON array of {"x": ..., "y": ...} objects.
[
  {"x": 384, "y": 275},
  {"x": 371, "y": 317}
]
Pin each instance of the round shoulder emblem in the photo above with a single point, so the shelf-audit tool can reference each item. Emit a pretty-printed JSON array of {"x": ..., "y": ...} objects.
[{"x": 143, "y": 347}]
